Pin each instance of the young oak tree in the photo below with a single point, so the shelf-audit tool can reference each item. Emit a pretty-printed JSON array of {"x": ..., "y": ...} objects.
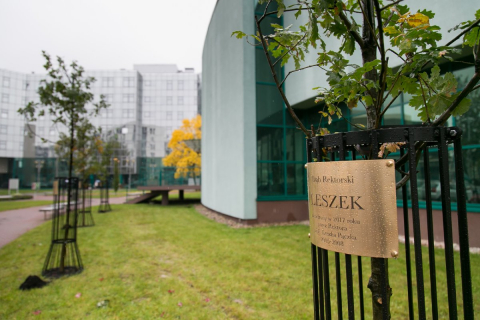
[
  {"x": 379, "y": 32},
  {"x": 64, "y": 96},
  {"x": 186, "y": 160}
]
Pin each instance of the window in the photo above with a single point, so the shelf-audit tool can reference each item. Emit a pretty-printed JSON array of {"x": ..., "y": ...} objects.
[
  {"x": 129, "y": 82},
  {"x": 169, "y": 101},
  {"x": 147, "y": 99},
  {"x": 107, "y": 82},
  {"x": 129, "y": 98},
  {"x": 52, "y": 131},
  {"x": 180, "y": 84},
  {"x": 108, "y": 97},
  {"x": 5, "y": 97},
  {"x": 3, "y": 129},
  {"x": 128, "y": 113},
  {"x": 3, "y": 145},
  {"x": 146, "y": 114},
  {"x": 4, "y": 113},
  {"x": 169, "y": 85},
  {"x": 6, "y": 82},
  {"x": 148, "y": 83},
  {"x": 152, "y": 130},
  {"x": 152, "y": 146},
  {"x": 179, "y": 115},
  {"x": 169, "y": 115},
  {"x": 180, "y": 101},
  {"x": 40, "y": 130},
  {"x": 25, "y": 85},
  {"x": 109, "y": 113}
]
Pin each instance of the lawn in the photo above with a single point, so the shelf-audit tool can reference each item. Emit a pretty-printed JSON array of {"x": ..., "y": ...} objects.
[
  {"x": 170, "y": 262},
  {"x": 21, "y": 204}
]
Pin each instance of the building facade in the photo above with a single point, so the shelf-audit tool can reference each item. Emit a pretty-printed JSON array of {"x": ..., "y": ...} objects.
[
  {"x": 146, "y": 105},
  {"x": 253, "y": 155}
]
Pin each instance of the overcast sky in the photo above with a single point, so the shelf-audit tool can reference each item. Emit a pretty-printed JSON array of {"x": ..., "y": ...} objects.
[{"x": 103, "y": 34}]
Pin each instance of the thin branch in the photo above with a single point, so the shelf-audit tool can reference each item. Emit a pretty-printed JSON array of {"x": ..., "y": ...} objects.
[
  {"x": 463, "y": 94},
  {"x": 277, "y": 82},
  {"x": 391, "y": 4},
  {"x": 388, "y": 106},
  {"x": 476, "y": 87},
  {"x": 404, "y": 61},
  {"x": 424, "y": 99},
  {"x": 310, "y": 66},
  {"x": 383, "y": 70},
  {"x": 289, "y": 50},
  {"x": 463, "y": 32},
  {"x": 276, "y": 12},
  {"x": 348, "y": 24}
]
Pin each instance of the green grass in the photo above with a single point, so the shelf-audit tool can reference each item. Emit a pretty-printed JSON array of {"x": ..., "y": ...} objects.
[
  {"x": 13, "y": 205},
  {"x": 135, "y": 254}
]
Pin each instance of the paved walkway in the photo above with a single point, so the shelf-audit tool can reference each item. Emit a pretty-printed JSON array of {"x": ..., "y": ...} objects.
[{"x": 14, "y": 223}]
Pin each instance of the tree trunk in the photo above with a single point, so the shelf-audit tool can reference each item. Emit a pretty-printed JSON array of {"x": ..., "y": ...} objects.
[{"x": 379, "y": 278}]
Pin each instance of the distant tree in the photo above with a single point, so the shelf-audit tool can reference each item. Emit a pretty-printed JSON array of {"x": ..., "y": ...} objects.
[
  {"x": 87, "y": 145},
  {"x": 187, "y": 161},
  {"x": 108, "y": 150}
]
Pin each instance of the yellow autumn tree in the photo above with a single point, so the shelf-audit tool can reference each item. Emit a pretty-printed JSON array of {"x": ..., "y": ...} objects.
[{"x": 187, "y": 161}]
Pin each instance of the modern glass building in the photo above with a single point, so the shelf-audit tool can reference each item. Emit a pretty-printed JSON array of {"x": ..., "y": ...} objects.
[
  {"x": 253, "y": 155},
  {"x": 146, "y": 105}
]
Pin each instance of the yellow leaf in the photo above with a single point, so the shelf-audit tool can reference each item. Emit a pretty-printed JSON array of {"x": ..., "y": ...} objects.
[
  {"x": 418, "y": 19},
  {"x": 352, "y": 103},
  {"x": 390, "y": 30}
]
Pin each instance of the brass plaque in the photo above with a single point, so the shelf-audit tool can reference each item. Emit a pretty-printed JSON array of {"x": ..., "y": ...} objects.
[{"x": 353, "y": 208}]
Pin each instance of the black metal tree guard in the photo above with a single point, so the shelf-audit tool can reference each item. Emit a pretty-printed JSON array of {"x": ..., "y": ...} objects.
[
  {"x": 104, "y": 200},
  {"x": 63, "y": 257},
  {"x": 429, "y": 294},
  {"x": 85, "y": 218}
]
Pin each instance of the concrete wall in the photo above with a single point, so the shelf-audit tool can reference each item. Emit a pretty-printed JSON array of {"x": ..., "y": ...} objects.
[{"x": 228, "y": 116}]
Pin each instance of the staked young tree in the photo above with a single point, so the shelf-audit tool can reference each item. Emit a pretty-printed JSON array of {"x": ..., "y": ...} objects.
[
  {"x": 64, "y": 95},
  {"x": 188, "y": 162},
  {"x": 379, "y": 32}
]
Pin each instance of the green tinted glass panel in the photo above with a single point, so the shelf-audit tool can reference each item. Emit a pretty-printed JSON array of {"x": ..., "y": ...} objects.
[
  {"x": 393, "y": 116},
  {"x": 269, "y": 143},
  {"x": 296, "y": 179},
  {"x": 270, "y": 179},
  {"x": 295, "y": 145},
  {"x": 262, "y": 69},
  {"x": 269, "y": 105}
]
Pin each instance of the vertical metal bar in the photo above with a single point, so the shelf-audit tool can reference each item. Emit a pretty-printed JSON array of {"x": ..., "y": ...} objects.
[
  {"x": 416, "y": 225},
  {"x": 406, "y": 227},
  {"x": 338, "y": 278},
  {"x": 326, "y": 284},
  {"x": 360, "y": 273},
  {"x": 349, "y": 271},
  {"x": 447, "y": 222},
  {"x": 320, "y": 283},
  {"x": 468, "y": 312},
  {"x": 431, "y": 237},
  {"x": 316, "y": 302},
  {"x": 408, "y": 260},
  {"x": 360, "y": 288}
]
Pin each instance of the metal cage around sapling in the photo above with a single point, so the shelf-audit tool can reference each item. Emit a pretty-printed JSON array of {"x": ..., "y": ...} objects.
[
  {"x": 63, "y": 257},
  {"x": 85, "y": 218},
  {"x": 104, "y": 198}
]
